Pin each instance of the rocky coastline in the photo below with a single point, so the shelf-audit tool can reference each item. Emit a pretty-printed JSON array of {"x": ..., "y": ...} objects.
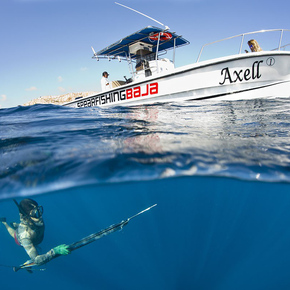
[{"x": 58, "y": 100}]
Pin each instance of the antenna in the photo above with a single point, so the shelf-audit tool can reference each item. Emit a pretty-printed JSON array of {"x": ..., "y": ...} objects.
[
  {"x": 93, "y": 50},
  {"x": 166, "y": 27},
  {"x": 95, "y": 55}
]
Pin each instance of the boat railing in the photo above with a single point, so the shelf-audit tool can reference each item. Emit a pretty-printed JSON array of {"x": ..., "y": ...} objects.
[
  {"x": 243, "y": 37},
  {"x": 282, "y": 47}
]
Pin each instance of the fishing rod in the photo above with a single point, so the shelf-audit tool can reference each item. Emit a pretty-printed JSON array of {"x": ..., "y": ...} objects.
[{"x": 165, "y": 26}]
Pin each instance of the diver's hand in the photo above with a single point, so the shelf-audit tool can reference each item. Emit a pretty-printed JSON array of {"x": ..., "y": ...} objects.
[
  {"x": 3, "y": 219},
  {"x": 62, "y": 250}
]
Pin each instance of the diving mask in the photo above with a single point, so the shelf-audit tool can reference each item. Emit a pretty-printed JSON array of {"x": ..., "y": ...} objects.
[{"x": 37, "y": 212}]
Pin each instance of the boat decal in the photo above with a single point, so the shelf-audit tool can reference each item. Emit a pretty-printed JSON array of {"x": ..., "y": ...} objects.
[
  {"x": 237, "y": 92},
  {"x": 142, "y": 91},
  {"x": 241, "y": 75},
  {"x": 120, "y": 95},
  {"x": 270, "y": 61}
]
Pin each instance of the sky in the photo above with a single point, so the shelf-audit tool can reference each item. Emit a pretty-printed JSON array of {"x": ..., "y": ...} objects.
[{"x": 46, "y": 44}]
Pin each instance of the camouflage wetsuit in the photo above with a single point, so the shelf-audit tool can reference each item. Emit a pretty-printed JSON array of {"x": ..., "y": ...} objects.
[{"x": 29, "y": 234}]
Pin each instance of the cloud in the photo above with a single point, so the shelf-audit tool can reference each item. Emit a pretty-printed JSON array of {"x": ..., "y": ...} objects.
[
  {"x": 60, "y": 79},
  {"x": 3, "y": 97},
  {"x": 84, "y": 68},
  {"x": 31, "y": 89},
  {"x": 61, "y": 89}
]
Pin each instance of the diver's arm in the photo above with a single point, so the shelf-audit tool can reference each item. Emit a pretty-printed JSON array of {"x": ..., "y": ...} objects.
[
  {"x": 10, "y": 230},
  {"x": 33, "y": 254}
]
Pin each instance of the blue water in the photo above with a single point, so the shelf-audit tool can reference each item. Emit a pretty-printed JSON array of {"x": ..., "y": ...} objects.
[{"x": 219, "y": 172}]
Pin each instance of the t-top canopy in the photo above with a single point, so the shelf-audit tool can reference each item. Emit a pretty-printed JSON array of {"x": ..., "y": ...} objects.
[{"x": 147, "y": 35}]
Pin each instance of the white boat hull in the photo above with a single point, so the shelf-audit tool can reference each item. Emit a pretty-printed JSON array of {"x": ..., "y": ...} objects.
[{"x": 243, "y": 76}]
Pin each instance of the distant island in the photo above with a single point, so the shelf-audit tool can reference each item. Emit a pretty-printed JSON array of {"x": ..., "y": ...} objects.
[{"x": 58, "y": 100}]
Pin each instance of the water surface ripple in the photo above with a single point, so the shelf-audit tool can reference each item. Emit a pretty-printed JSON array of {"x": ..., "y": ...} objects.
[{"x": 46, "y": 147}]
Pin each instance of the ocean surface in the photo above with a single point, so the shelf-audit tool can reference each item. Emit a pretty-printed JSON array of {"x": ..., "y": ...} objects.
[{"x": 219, "y": 173}]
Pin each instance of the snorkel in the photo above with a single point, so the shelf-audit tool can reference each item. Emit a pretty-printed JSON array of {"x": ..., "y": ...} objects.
[{"x": 19, "y": 208}]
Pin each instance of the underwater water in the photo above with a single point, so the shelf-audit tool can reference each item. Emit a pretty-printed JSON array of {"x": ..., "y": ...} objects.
[{"x": 218, "y": 172}]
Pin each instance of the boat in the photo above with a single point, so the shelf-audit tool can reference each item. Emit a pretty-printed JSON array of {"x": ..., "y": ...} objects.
[{"x": 246, "y": 74}]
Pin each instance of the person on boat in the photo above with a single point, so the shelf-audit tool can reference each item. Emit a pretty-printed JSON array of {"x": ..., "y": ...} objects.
[
  {"x": 254, "y": 45},
  {"x": 105, "y": 84},
  {"x": 30, "y": 231}
]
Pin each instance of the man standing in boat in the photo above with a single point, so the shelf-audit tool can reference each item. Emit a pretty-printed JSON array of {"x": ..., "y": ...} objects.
[
  {"x": 30, "y": 231},
  {"x": 105, "y": 82}
]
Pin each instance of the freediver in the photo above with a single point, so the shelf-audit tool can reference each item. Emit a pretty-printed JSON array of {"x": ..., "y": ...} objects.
[{"x": 30, "y": 231}]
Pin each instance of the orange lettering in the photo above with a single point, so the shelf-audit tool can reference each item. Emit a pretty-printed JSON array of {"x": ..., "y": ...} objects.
[
  {"x": 146, "y": 94},
  {"x": 153, "y": 88},
  {"x": 129, "y": 93},
  {"x": 137, "y": 92}
]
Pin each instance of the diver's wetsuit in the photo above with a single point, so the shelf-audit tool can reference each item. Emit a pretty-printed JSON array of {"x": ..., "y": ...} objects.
[{"x": 30, "y": 233}]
